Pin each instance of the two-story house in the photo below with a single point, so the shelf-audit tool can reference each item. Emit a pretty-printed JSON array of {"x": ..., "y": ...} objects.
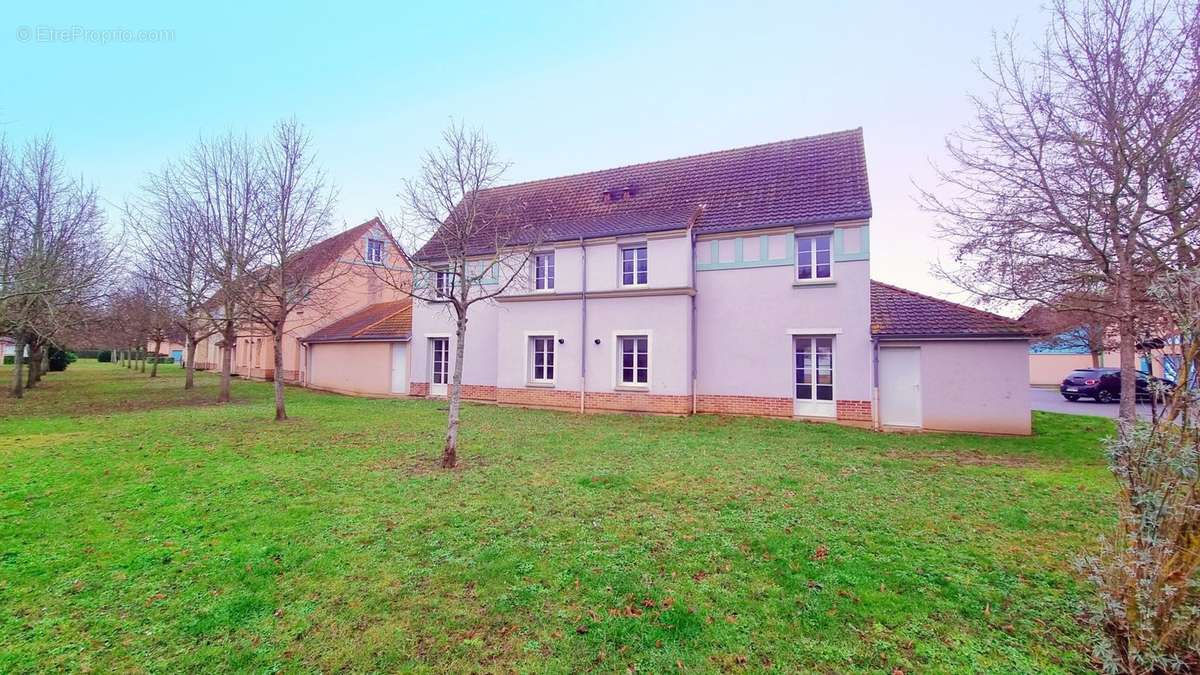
[
  {"x": 730, "y": 282},
  {"x": 363, "y": 268}
]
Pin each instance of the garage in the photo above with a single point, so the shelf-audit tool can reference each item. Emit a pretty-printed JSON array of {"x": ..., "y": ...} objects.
[
  {"x": 365, "y": 353},
  {"x": 948, "y": 367}
]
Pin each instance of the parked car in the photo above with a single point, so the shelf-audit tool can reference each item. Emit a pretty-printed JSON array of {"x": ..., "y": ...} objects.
[{"x": 1104, "y": 384}]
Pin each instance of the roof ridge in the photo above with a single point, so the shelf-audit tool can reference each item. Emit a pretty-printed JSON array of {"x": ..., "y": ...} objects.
[
  {"x": 712, "y": 153},
  {"x": 947, "y": 302}
]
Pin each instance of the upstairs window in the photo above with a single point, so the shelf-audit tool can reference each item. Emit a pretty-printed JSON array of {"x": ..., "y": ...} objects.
[
  {"x": 541, "y": 352},
  {"x": 444, "y": 283},
  {"x": 543, "y": 271},
  {"x": 813, "y": 259},
  {"x": 633, "y": 265},
  {"x": 374, "y": 251}
]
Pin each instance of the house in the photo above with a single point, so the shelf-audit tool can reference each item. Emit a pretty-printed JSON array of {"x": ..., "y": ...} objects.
[
  {"x": 359, "y": 270},
  {"x": 731, "y": 282}
]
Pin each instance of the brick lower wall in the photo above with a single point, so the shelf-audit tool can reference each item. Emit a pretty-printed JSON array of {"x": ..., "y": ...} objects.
[
  {"x": 636, "y": 401},
  {"x": 541, "y": 397},
  {"x": 765, "y": 406},
  {"x": 854, "y": 411},
  {"x": 418, "y": 388}
]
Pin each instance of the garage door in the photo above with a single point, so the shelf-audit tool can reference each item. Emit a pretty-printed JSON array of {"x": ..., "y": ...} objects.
[{"x": 900, "y": 386}]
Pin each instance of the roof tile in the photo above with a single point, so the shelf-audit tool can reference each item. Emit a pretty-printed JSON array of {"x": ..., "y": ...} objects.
[{"x": 898, "y": 312}]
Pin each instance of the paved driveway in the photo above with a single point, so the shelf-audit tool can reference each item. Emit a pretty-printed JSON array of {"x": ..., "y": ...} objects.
[{"x": 1052, "y": 401}]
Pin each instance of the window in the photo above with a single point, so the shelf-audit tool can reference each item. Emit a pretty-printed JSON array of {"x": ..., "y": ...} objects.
[
  {"x": 374, "y": 251},
  {"x": 444, "y": 282},
  {"x": 441, "y": 359},
  {"x": 543, "y": 271},
  {"x": 633, "y": 361},
  {"x": 814, "y": 368},
  {"x": 813, "y": 257},
  {"x": 633, "y": 265},
  {"x": 541, "y": 351}
]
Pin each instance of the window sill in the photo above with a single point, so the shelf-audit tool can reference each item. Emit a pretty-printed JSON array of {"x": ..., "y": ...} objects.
[
  {"x": 803, "y": 283},
  {"x": 540, "y": 385},
  {"x": 632, "y": 387}
]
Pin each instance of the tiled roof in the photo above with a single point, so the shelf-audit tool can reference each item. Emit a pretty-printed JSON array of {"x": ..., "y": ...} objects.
[
  {"x": 381, "y": 321},
  {"x": 816, "y": 179},
  {"x": 897, "y": 312}
]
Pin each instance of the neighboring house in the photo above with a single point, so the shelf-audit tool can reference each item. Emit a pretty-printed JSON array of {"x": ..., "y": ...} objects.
[
  {"x": 731, "y": 282},
  {"x": 8, "y": 347},
  {"x": 349, "y": 257}
]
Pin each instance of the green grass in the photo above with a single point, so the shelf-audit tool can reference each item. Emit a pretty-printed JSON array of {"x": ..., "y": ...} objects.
[{"x": 144, "y": 528}]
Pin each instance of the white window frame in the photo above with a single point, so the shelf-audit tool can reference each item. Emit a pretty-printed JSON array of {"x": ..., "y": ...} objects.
[
  {"x": 530, "y": 336},
  {"x": 548, "y": 276},
  {"x": 374, "y": 259},
  {"x": 645, "y": 248},
  {"x": 812, "y": 258},
  {"x": 617, "y": 383},
  {"x": 440, "y": 288}
]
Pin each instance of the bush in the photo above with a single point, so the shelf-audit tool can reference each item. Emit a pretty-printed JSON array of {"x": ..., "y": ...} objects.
[
  {"x": 88, "y": 353},
  {"x": 104, "y": 356},
  {"x": 9, "y": 360},
  {"x": 59, "y": 359},
  {"x": 1147, "y": 572}
]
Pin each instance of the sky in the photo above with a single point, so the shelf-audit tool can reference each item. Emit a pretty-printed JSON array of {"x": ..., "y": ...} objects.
[{"x": 559, "y": 88}]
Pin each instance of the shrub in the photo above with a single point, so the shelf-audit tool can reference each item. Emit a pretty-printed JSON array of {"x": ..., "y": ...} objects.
[
  {"x": 59, "y": 359},
  {"x": 9, "y": 360},
  {"x": 104, "y": 356},
  {"x": 1147, "y": 614}
]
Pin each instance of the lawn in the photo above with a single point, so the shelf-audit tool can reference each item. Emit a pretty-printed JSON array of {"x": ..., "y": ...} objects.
[{"x": 143, "y": 528}]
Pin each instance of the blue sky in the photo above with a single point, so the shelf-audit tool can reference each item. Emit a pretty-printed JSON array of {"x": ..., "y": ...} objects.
[{"x": 560, "y": 87}]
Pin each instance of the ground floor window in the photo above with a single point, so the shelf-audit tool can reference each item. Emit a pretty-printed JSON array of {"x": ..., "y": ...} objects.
[
  {"x": 441, "y": 359},
  {"x": 814, "y": 368},
  {"x": 541, "y": 359},
  {"x": 633, "y": 361}
]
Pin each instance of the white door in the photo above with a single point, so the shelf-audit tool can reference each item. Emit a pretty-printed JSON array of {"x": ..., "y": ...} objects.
[
  {"x": 399, "y": 368},
  {"x": 439, "y": 365},
  {"x": 813, "y": 381},
  {"x": 900, "y": 386}
]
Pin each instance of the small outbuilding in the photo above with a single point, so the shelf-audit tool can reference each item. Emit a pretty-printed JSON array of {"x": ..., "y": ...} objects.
[
  {"x": 947, "y": 367},
  {"x": 365, "y": 353}
]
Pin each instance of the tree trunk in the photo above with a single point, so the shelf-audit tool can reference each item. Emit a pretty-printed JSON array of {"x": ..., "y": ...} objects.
[
  {"x": 18, "y": 380},
  {"x": 154, "y": 365},
  {"x": 277, "y": 336},
  {"x": 45, "y": 363},
  {"x": 35, "y": 363},
  {"x": 189, "y": 378},
  {"x": 450, "y": 451},
  {"x": 1095, "y": 359},
  {"x": 142, "y": 353},
  {"x": 228, "y": 335},
  {"x": 1127, "y": 333},
  {"x": 129, "y": 359}
]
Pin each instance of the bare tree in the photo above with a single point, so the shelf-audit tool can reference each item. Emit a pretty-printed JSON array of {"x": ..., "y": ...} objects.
[
  {"x": 223, "y": 179},
  {"x": 167, "y": 233},
  {"x": 474, "y": 243},
  {"x": 295, "y": 209},
  {"x": 58, "y": 257},
  {"x": 1054, "y": 191}
]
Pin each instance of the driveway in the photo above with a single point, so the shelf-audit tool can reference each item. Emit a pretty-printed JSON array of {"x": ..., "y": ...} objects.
[{"x": 1050, "y": 400}]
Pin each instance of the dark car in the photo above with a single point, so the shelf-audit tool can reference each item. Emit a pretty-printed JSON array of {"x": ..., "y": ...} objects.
[{"x": 1104, "y": 384}]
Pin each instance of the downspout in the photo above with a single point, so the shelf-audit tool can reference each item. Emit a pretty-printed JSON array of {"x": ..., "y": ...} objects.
[
  {"x": 692, "y": 277},
  {"x": 875, "y": 418},
  {"x": 582, "y": 327}
]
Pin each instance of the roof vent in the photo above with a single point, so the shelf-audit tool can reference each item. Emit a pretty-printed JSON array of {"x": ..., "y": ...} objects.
[{"x": 618, "y": 194}]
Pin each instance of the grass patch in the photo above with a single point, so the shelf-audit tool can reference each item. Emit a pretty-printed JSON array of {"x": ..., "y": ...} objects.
[{"x": 143, "y": 528}]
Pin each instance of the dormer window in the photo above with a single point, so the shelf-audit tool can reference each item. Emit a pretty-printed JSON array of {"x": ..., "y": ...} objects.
[
  {"x": 618, "y": 194},
  {"x": 374, "y": 251}
]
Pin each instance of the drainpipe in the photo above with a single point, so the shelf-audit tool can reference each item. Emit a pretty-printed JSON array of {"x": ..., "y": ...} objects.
[
  {"x": 692, "y": 276},
  {"x": 875, "y": 419},
  {"x": 582, "y": 327}
]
